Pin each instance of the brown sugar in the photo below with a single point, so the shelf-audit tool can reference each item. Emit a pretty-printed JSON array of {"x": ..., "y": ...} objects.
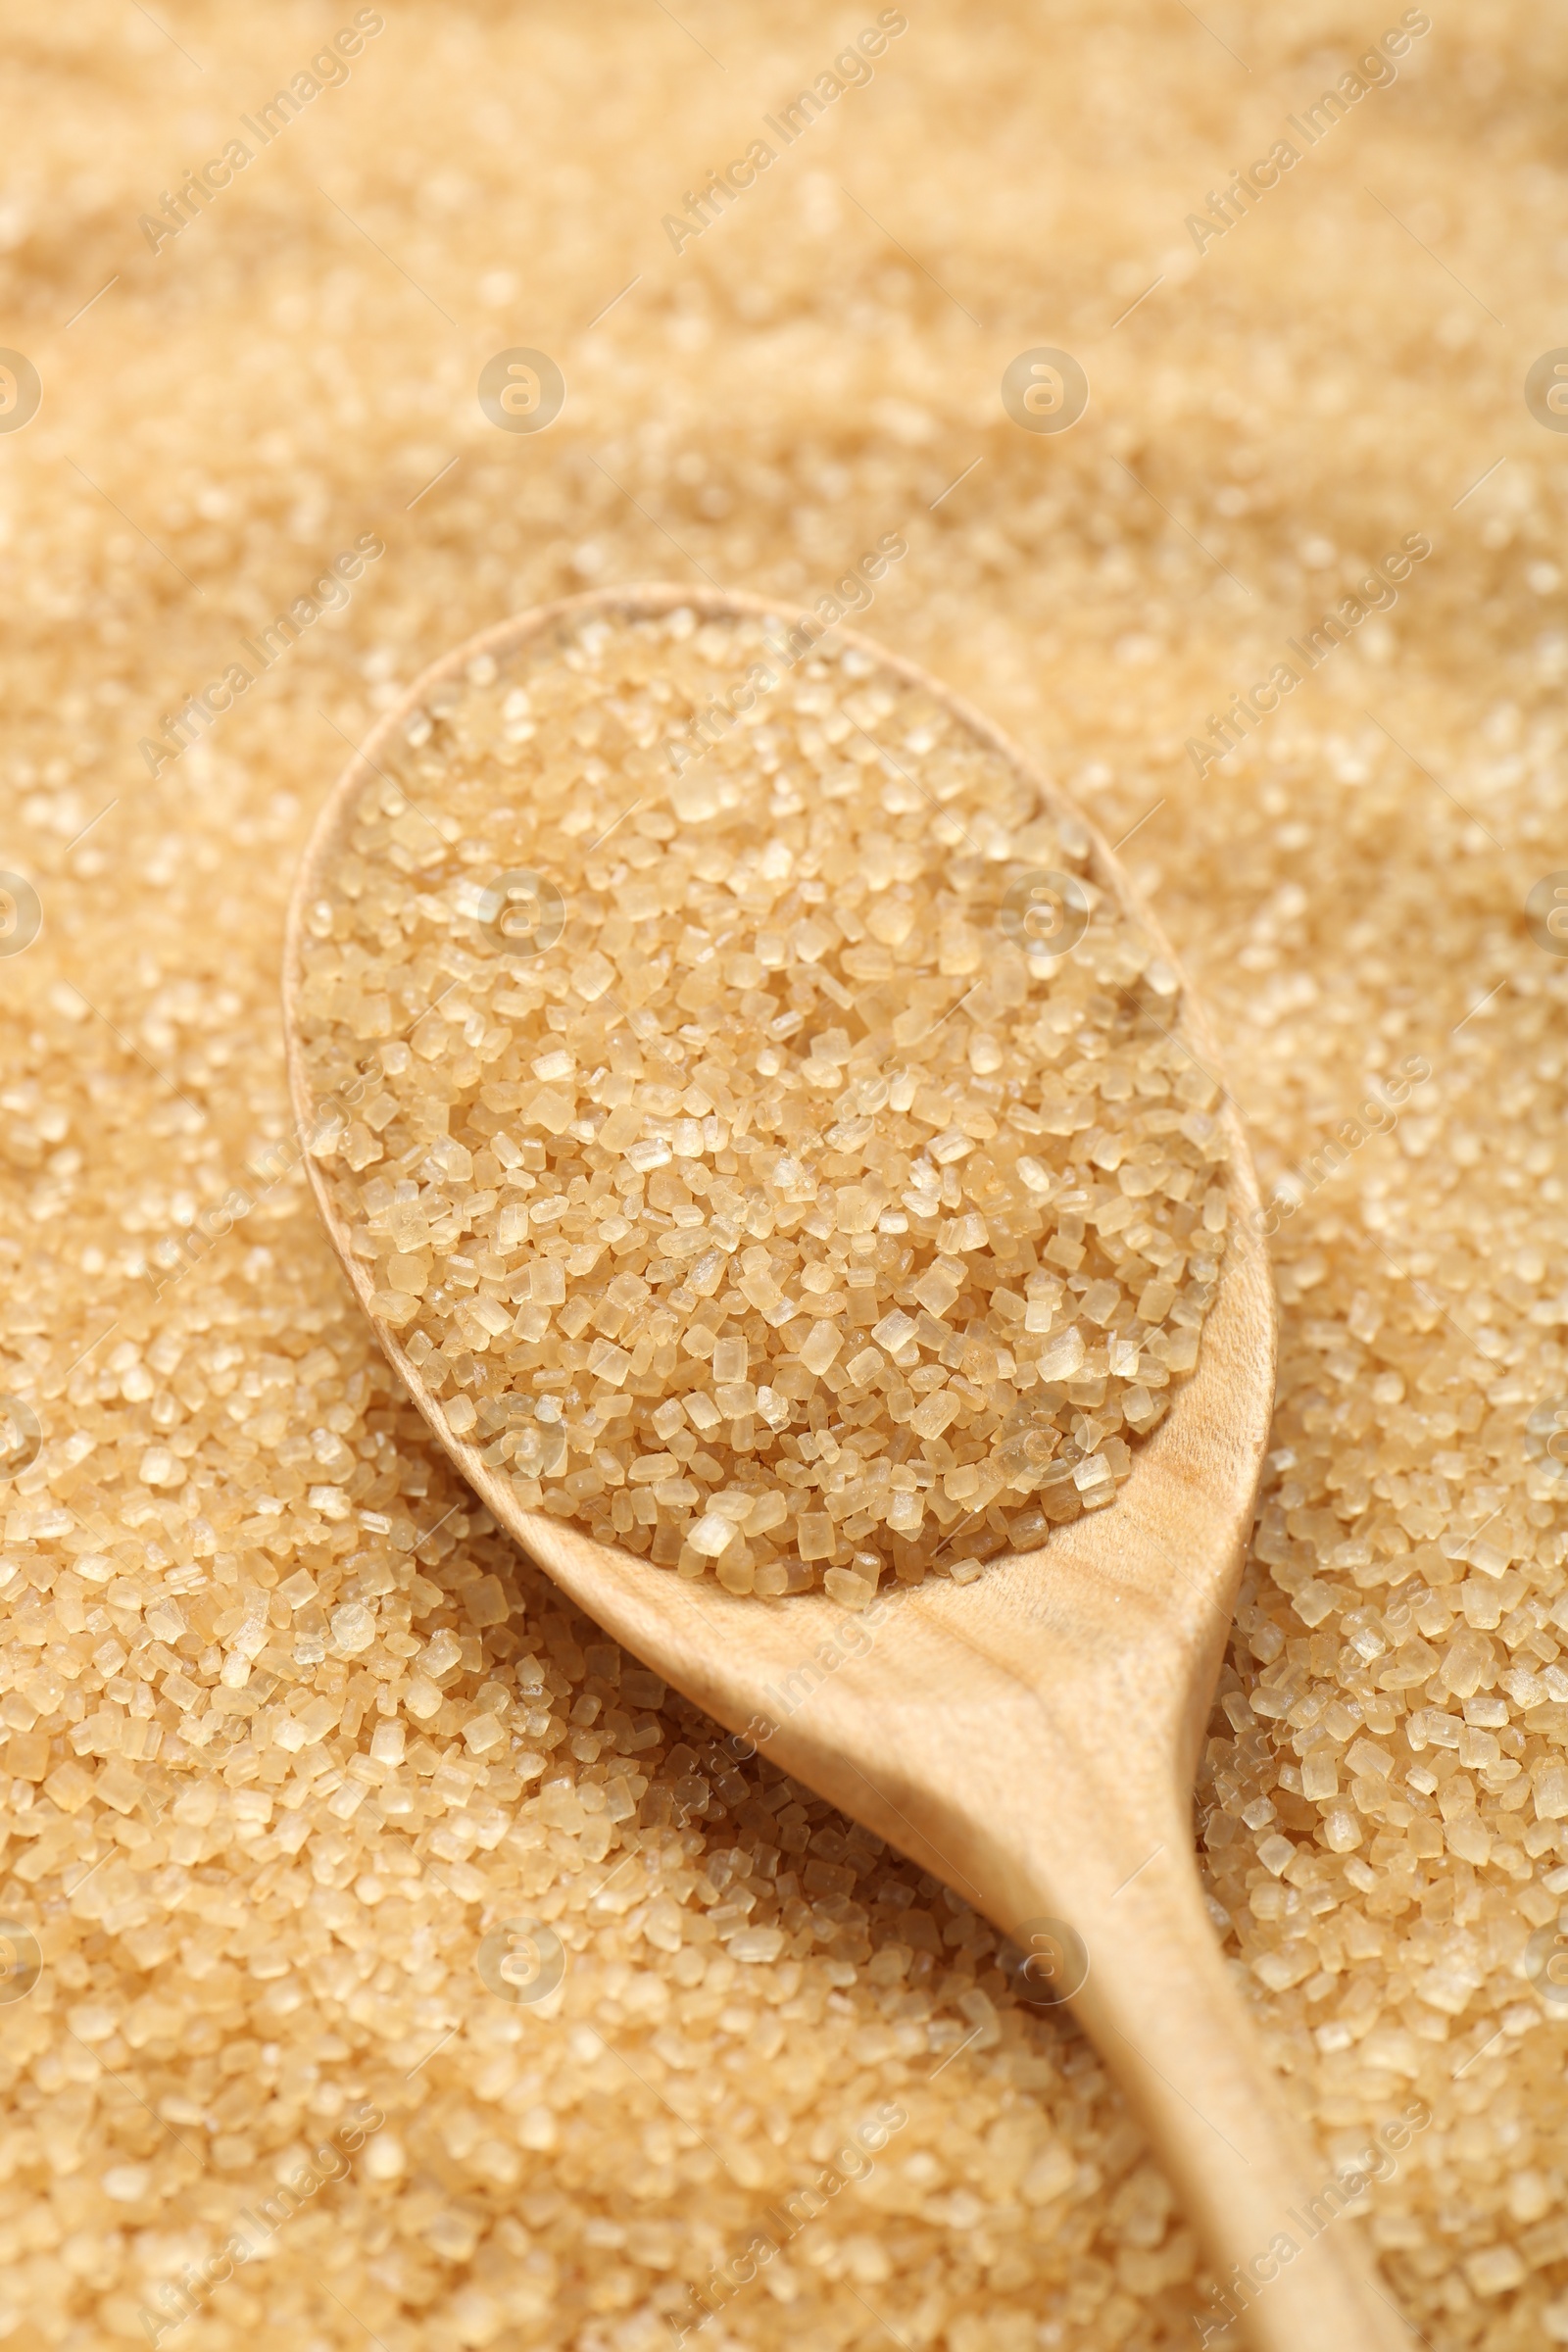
[
  {"x": 784, "y": 1158},
  {"x": 259, "y": 1879}
]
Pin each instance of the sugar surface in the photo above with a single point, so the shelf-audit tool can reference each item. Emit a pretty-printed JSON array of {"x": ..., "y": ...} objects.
[{"x": 788, "y": 392}]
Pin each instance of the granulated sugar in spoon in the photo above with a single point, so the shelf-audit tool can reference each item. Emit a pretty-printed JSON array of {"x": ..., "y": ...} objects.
[{"x": 790, "y": 1175}]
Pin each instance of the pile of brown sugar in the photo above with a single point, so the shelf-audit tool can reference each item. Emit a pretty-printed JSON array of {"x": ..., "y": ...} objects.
[
  {"x": 782, "y": 1157},
  {"x": 260, "y": 1882}
]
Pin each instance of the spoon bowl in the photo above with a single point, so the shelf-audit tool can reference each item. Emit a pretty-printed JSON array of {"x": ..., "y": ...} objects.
[{"x": 1031, "y": 1737}]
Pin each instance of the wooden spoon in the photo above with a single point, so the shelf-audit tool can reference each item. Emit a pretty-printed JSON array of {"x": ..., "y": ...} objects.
[{"x": 1030, "y": 1739}]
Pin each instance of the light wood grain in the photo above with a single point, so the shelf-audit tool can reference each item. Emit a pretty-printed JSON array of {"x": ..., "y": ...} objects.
[{"x": 1030, "y": 1739}]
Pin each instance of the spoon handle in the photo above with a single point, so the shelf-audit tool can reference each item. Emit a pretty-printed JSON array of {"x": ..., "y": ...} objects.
[{"x": 1160, "y": 2003}]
